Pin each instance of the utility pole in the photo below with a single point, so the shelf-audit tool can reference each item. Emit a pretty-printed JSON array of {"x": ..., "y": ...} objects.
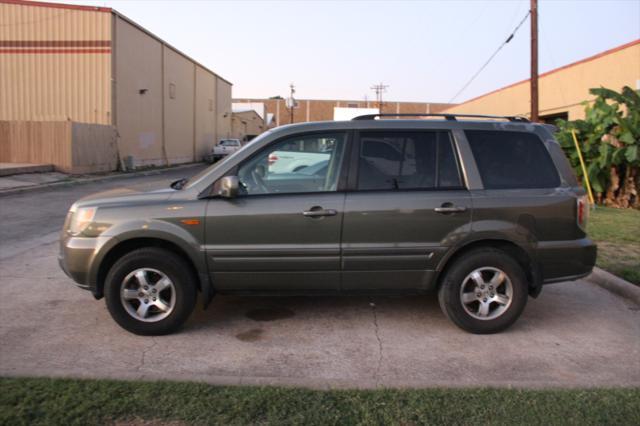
[
  {"x": 534, "y": 60},
  {"x": 292, "y": 102},
  {"x": 379, "y": 89}
]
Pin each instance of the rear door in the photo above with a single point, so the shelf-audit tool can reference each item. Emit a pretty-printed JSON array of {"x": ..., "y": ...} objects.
[
  {"x": 525, "y": 197},
  {"x": 406, "y": 205}
]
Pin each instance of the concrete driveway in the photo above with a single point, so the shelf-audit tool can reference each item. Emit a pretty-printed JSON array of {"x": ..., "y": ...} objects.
[{"x": 574, "y": 334}]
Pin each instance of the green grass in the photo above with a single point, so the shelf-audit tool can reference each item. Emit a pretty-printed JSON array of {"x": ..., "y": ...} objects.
[
  {"x": 65, "y": 401},
  {"x": 617, "y": 232}
]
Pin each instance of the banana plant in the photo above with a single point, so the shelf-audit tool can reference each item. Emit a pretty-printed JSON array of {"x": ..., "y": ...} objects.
[{"x": 609, "y": 137}]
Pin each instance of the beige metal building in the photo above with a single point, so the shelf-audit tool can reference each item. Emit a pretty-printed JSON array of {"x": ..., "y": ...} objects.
[
  {"x": 562, "y": 91},
  {"x": 323, "y": 109},
  {"x": 92, "y": 65},
  {"x": 246, "y": 125}
]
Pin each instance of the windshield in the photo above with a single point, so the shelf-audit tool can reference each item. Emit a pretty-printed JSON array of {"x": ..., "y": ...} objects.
[
  {"x": 196, "y": 178},
  {"x": 230, "y": 143}
]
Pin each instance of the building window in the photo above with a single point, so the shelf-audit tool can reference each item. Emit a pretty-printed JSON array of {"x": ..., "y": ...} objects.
[
  {"x": 172, "y": 91},
  {"x": 352, "y": 105}
]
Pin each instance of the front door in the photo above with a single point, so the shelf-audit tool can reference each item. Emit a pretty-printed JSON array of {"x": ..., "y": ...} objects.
[
  {"x": 406, "y": 207},
  {"x": 282, "y": 233}
]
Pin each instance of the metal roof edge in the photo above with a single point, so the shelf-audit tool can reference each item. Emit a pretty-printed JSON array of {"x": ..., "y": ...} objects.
[{"x": 57, "y": 5}]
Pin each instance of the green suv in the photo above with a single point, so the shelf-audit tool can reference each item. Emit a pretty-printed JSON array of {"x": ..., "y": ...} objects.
[{"x": 485, "y": 211}]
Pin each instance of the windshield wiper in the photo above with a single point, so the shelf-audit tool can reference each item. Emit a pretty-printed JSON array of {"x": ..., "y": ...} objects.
[{"x": 179, "y": 184}]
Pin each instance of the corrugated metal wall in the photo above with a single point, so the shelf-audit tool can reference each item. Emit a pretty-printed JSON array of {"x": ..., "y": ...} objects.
[
  {"x": 55, "y": 64},
  {"x": 138, "y": 88},
  {"x": 168, "y": 106},
  {"x": 205, "y": 112},
  {"x": 223, "y": 108},
  {"x": 89, "y": 64}
]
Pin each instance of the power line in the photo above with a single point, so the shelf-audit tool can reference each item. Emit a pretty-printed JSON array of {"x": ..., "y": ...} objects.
[{"x": 491, "y": 57}]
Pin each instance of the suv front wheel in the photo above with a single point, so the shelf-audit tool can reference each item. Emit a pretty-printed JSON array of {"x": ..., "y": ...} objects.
[
  {"x": 484, "y": 291},
  {"x": 150, "y": 291}
]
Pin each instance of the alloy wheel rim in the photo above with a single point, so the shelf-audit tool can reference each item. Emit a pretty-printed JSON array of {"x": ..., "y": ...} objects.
[
  {"x": 148, "y": 295},
  {"x": 486, "y": 293}
]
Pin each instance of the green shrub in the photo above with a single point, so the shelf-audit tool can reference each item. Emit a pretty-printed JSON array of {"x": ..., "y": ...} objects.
[{"x": 609, "y": 138}]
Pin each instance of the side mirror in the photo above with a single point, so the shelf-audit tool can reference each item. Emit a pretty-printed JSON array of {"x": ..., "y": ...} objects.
[{"x": 229, "y": 187}]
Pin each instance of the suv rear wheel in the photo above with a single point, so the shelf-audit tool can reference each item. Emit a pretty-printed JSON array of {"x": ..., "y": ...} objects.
[
  {"x": 484, "y": 291},
  {"x": 150, "y": 291}
]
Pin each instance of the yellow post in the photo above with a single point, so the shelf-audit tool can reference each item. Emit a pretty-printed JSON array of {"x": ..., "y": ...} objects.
[{"x": 584, "y": 169}]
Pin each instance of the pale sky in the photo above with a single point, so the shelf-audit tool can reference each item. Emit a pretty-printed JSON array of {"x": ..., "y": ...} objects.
[{"x": 424, "y": 50}]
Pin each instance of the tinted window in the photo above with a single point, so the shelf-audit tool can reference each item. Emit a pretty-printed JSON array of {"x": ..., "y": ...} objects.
[
  {"x": 407, "y": 160},
  {"x": 508, "y": 160},
  {"x": 306, "y": 163}
]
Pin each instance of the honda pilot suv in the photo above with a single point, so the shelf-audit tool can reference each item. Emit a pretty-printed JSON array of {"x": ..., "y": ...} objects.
[{"x": 482, "y": 211}]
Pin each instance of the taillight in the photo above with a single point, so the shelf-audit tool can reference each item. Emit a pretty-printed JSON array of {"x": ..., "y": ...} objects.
[
  {"x": 583, "y": 212},
  {"x": 272, "y": 159}
]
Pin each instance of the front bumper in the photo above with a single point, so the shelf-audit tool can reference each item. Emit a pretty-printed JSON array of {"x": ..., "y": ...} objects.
[
  {"x": 77, "y": 258},
  {"x": 566, "y": 260}
]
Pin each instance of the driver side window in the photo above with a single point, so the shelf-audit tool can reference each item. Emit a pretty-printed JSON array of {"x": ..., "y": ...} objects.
[{"x": 298, "y": 164}]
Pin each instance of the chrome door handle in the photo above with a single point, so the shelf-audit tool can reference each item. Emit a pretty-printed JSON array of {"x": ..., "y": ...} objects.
[
  {"x": 319, "y": 212},
  {"x": 450, "y": 209}
]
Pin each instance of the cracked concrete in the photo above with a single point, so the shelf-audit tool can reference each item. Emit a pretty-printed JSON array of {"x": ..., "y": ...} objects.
[
  {"x": 376, "y": 330},
  {"x": 143, "y": 355},
  {"x": 574, "y": 335}
]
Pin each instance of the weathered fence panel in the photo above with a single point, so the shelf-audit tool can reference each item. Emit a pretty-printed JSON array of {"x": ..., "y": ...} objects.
[{"x": 70, "y": 147}]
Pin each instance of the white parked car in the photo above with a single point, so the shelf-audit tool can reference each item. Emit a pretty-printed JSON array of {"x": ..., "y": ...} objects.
[
  {"x": 294, "y": 161},
  {"x": 225, "y": 147}
]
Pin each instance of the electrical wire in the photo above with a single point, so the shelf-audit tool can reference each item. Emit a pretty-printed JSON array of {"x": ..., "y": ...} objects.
[{"x": 491, "y": 57}]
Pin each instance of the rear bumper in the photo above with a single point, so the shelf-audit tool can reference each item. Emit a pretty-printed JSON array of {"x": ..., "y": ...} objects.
[{"x": 566, "y": 260}]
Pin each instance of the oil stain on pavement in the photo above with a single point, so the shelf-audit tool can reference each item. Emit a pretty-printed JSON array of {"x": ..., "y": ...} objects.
[{"x": 269, "y": 314}]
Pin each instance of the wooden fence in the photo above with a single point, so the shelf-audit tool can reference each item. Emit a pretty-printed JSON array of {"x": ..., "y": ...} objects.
[{"x": 71, "y": 147}]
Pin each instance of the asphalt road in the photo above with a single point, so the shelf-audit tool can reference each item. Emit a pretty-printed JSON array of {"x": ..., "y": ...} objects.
[{"x": 575, "y": 334}]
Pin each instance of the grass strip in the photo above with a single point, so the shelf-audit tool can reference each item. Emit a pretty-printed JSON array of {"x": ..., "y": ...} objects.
[
  {"x": 40, "y": 401},
  {"x": 617, "y": 232}
]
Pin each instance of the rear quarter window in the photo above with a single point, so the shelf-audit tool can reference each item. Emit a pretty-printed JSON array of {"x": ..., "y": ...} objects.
[{"x": 512, "y": 160}]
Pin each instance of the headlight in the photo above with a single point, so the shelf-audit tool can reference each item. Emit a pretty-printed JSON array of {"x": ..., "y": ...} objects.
[{"x": 80, "y": 219}]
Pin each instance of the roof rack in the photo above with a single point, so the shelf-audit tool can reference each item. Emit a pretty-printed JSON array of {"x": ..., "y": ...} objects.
[{"x": 451, "y": 117}]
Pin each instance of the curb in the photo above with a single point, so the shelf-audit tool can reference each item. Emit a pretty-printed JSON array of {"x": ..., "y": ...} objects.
[
  {"x": 615, "y": 284},
  {"x": 80, "y": 181}
]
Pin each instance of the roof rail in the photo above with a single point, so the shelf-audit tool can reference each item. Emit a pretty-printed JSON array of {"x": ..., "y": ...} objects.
[{"x": 451, "y": 117}]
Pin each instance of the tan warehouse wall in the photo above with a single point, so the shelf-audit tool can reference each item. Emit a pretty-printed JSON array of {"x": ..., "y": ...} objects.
[
  {"x": 246, "y": 123},
  {"x": 138, "y": 59},
  {"x": 205, "y": 112},
  {"x": 89, "y": 64},
  {"x": 169, "y": 107},
  {"x": 179, "y": 114},
  {"x": 564, "y": 89},
  {"x": 55, "y": 63},
  {"x": 70, "y": 147},
  {"x": 223, "y": 112},
  {"x": 322, "y": 109}
]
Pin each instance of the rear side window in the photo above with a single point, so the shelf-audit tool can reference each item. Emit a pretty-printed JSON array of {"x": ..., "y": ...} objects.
[
  {"x": 510, "y": 160},
  {"x": 407, "y": 160}
]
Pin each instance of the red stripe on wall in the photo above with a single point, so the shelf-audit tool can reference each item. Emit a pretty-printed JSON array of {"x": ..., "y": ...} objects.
[
  {"x": 55, "y": 50},
  {"x": 55, "y": 43}
]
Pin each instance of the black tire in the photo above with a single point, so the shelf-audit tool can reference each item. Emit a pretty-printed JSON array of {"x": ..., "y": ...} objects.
[
  {"x": 174, "y": 267},
  {"x": 449, "y": 293}
]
